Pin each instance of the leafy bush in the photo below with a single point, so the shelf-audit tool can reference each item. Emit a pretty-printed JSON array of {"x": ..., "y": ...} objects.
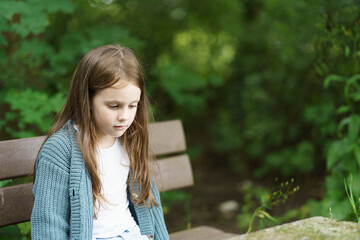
[{"x": 245, "y": 77}]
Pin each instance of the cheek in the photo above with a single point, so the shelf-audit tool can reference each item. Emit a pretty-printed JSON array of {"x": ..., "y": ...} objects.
[
  {"x": 102, "y": 116},
  {"x": 98, "y": 119},
  {"x": 133, "y": 115}
]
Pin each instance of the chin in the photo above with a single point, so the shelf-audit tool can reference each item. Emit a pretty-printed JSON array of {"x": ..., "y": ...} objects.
[{"x": 119, "y": 134}]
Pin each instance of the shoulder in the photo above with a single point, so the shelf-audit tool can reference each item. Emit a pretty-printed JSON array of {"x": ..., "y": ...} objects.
[{"x": 58, "y": 147}]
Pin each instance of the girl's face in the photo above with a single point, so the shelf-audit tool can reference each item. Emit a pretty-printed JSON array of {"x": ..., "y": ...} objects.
[{"x": 114, "y": 109}]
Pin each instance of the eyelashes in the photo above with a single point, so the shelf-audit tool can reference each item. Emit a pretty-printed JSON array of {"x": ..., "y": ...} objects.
[{"x": 118, "y": 106}]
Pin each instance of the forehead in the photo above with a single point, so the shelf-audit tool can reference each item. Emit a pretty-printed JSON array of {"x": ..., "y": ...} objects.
[{"x": 120, "y": 91}]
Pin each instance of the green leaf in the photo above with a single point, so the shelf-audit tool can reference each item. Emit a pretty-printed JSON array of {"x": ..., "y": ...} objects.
[
  {"x": 355, "y": 96},
  {"x": 33, "y": 14},
  {"x": 343, "y": 123},
  {"x": 24, "y": 228},
  {"x": 9, "y": 8},
  {"x": 356, "y": 185},
  {"x": 347, "y": 51},
  {"x": 267, "y": 215},
  {"x": 333, "y": 78},
  {"x": 357, "y": 153},
  {"x": 10, "y": 116},
  {"x": 337, "y": 150},
  {"x": 33, "y": 53},
  {"x": 32, "y": 107},
  {"x": 216, "y": 80},
  {"x": 352, "y": 81},
  {"x": 343, "y": 109},
  {"x": 334, "y": 184},
  {"x": 185, "y": 87},
  {"x": 349, "y": 193},
  {"x": 65, "y": 6},
  {"x": 341, "y": 209},
  {"x": 354, "y": 127},
  {"x": 4, "y": 183}
]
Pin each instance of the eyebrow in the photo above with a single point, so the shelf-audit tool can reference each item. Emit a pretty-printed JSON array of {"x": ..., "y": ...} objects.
[{"x": 120, "y": 103}]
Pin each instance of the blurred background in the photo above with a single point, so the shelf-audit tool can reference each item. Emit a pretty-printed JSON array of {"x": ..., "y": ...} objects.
[{"x": 268, "y": 92}]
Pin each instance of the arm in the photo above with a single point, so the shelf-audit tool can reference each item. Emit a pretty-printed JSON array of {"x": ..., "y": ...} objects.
[
  {"x": 51, "y": 211},
  {"x": 161, "y": 232}
]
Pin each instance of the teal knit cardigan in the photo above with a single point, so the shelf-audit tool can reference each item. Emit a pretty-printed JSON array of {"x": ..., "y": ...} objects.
[{"x": 63, "y": 204}]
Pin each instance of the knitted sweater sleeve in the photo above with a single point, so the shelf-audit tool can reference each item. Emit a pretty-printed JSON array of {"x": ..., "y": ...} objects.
[
  {"x": 161, "y": 232},
  {"x": 51, "y": 211}
]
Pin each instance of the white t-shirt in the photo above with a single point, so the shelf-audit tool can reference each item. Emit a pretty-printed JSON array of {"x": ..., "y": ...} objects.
[{"x": 114, "y": 217}]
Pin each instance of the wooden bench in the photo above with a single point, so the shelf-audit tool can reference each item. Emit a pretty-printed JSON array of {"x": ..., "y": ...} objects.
[{"x": 172, "y": 171}]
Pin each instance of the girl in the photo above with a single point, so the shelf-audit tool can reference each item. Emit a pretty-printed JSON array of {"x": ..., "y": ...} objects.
[{"x": 92, "y": 175}]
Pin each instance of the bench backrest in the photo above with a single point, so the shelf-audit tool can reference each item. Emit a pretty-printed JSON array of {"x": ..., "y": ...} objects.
[{"x": 17, "y": 157}]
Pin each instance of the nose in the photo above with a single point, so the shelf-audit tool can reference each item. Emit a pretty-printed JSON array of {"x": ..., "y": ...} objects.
[{"x": 123, "y": 114}]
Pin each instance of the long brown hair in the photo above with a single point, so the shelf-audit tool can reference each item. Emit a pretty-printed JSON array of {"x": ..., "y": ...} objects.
[{"x": 101, "y": 68}]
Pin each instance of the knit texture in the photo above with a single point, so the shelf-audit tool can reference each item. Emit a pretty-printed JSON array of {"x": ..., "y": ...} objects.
[{"x": 63, "y": 205}]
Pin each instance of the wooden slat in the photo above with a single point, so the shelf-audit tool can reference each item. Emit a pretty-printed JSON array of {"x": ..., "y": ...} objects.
[
  {"x": 173, "y": 173},
  {"x": 167, "y": 137},
  {"x": 15, "y": 204},
  {"x": 17, "y": 157},
  {"x": 16, "y": 201},
  {"x": 201, "y": 233}
]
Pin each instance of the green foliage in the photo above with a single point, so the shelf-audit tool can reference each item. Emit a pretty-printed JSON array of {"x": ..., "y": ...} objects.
[
  {"x": 31, "y": 107},
  {"x": 265, "y": 199},
  {"x": 287, "y": 159},
  {"x": 30, "y": 17},
  {"x": 4, "y": 183},
  {"x": 171, "y": 197},
  {"x": 344, "y": 153},
  {"x": 19, "y": 231},
  {"x": 24, "y": 228},
  {"x": 264, "y": 87},
  {"x": 321, "y": 117},
  {"x": 252, "y": 197},
  {"x": 39, "y": 58},
  {"x": 355, "y": 202},
  {"x": 183, "y": 87},
  {"x": 277, "y": 113}
]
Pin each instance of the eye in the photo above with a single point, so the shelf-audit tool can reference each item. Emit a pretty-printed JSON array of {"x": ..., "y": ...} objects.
[
  {"x": 113, "y": 106},
  {"x": 133, "y": 106}
]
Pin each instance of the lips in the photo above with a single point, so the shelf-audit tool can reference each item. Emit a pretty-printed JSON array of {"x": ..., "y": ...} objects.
[{"x": 120, "y": 127}]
